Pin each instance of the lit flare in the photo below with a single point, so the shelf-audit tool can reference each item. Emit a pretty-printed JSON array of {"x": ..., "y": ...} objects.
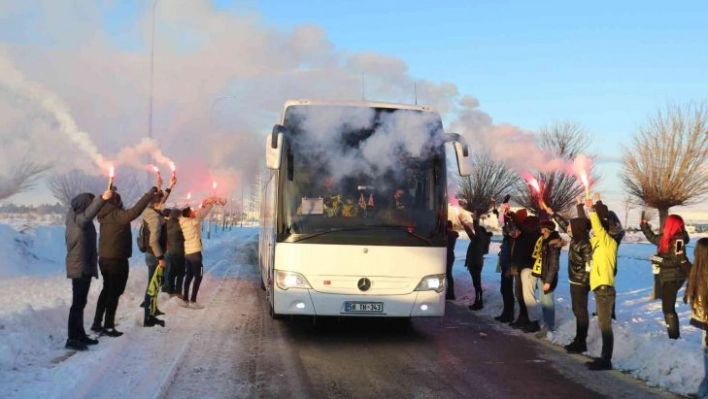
[{"x": 111, "y": 175}]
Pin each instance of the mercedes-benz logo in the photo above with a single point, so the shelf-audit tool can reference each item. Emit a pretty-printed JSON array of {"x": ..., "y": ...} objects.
[{"x": 364, "y": 284}]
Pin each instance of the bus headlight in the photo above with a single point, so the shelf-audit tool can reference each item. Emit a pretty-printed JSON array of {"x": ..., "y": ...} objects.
[
  {"x": 287, "y": 280},
  {"x": 435, "y": 282}
]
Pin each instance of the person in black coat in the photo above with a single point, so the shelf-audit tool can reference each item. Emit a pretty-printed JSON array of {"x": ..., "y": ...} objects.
[
  {"x": 115, "y": 247},
  {"x": 479, "y": 245},
  {"x": 579, "y": 261},
  {"x": 452, "y": 236},
  {"x": 81, "y": 262},
  {"x": 672, "y": 264},
  {"x": 506, "y": 288},
  {"x": 521, "y": 261}
]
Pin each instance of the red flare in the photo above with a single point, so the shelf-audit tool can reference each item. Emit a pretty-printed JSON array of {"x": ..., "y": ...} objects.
[{"x": 534, "y": 184}]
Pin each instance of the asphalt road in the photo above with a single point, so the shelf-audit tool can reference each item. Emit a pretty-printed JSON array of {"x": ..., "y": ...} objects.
[{"x": 241, "y": 352}]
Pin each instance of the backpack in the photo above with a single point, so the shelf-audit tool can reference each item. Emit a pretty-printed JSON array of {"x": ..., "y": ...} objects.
[{"x": 143, "y": 237}]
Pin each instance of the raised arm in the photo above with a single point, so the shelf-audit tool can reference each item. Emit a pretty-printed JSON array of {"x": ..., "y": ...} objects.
[
  {"x": 125, "y": 216},
  {"x": 649, "y": 234},
  {"x": 84, "y": 218}
]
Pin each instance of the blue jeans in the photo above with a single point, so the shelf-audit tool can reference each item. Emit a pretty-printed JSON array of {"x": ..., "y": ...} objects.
[
  {"x": 151, "y": 262},
  {"x": 548, "y": 306}
]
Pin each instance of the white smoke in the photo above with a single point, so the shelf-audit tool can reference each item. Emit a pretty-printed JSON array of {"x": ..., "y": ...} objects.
[
  {"x": 220, "y": 79},
  {"x": 13, "y": 80}
]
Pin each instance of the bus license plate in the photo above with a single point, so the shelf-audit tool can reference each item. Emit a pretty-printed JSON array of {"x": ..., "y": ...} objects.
[{"x": 366, "y": 307}]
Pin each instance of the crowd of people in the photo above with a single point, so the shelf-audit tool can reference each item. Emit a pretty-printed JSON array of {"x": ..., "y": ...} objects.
[
  {"x": 170, "y": 238},
  {"x": 529, "y": 259}
]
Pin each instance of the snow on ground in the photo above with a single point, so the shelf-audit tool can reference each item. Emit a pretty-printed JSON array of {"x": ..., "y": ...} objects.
[{"x": 35, "y": 297}]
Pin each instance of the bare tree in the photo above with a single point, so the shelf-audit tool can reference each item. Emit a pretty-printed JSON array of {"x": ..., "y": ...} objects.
[
  {"x": 667, "y": 165},
  {"x": 21, "y": 178},
  {"x": 489, "y": 181},
  {"x": 559, "y": 188},
  {"x": 66, "y": 186}
]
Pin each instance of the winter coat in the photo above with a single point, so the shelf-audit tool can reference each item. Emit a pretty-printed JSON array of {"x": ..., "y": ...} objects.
[
  {"x": 673, "y": 266},
  {"x": 521, "y": 256},
  {"x": 116, "y": 238},
  {"x": 452, "y": 236},
  {"x": 579, "y": 250},
  {"x": 191, "y": 228},
  {"x": 547, "y": 267},
  {"x": 698, "y": 317},
  {"x": 604, "y": 255},
  {"x": 479, "y": 241},
  {"x": 175, "y": 237},
  {"x": 80, "y": 236},
  {"x": 158, "y": 236}
]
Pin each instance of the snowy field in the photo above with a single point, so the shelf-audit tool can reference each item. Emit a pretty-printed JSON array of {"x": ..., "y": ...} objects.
[{"x": 35, "y": 297}]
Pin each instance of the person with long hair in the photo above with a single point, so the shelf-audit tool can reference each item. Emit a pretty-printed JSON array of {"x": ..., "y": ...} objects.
[
  {"x": 672, "y": 264},
  {"x": 697, "y": 298}
]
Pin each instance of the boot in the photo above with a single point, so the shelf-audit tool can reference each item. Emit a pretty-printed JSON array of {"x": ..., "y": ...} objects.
[
  {"x": 532, "y": 327},
  {"x": 478, "y": 302},
  {"x": 504, "y": 318},
  {"x": 520, "y": 322},
  {"x": 111, "y": 332},
  {"x": 576, "y": 347},
  {"x": 75, "y": 344},
  {"x": 152, "y": 321},
  {"x": 87, "y": 340},
  {"x": 672, "y": 326}
]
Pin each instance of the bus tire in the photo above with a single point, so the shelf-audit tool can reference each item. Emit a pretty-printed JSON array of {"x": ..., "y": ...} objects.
[
  {"x": 274, "y": 315},
  {"x": 271, "y": 306}
]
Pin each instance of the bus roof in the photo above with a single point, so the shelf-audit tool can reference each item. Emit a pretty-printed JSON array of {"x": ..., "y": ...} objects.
[{"x": 366, "y": 104}]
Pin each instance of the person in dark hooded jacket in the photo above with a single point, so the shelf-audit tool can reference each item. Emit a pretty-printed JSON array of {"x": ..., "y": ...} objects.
[
  {"x": 115, "y": 247},
  {"x": 521, "y": 261},
  {"x": 474, "y": 260},
  {"x": 81, "y": 262},
  {"x": 579, "y": 261}
]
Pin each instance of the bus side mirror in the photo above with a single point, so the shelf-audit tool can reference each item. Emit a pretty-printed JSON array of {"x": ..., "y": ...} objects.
[
  {"x": 464, "y": 161},
  {"x": 274, "y": 147}
]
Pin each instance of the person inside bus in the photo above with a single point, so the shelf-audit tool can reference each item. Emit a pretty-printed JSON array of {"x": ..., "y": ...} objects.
[
  {"x": 400, "y": 200},
  {"x": 332, "y": 198}
]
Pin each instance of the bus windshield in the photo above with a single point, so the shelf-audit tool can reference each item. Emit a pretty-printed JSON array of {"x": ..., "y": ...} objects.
[{"x": 373, "y": 176}]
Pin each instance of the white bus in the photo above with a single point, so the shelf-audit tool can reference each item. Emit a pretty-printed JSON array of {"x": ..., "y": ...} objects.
[{"x": 353, "y": 221}]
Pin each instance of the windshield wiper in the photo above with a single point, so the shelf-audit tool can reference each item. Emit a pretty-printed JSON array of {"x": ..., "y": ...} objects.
[
  {"x": 367, "y": 228},
  {"x": 400, "y": 228},
  {"x": 312, "y": 235}
]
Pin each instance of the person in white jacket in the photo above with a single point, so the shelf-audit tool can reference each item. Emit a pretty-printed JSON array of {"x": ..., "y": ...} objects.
[{"x": 190, "y": 222}]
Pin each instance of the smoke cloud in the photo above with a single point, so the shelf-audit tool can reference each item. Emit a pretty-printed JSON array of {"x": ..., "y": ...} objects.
[{"x": 220, "y": 80}]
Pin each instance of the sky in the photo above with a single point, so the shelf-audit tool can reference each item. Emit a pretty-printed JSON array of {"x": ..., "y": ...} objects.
[
  {"x": 36, "y": 297},
  {"x": 224, "y": 67}
]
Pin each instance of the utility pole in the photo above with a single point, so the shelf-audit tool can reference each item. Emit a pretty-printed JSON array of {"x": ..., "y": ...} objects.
[
  {"x": 242, "y": 204},
  {"x": 152, "y": 72}
]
